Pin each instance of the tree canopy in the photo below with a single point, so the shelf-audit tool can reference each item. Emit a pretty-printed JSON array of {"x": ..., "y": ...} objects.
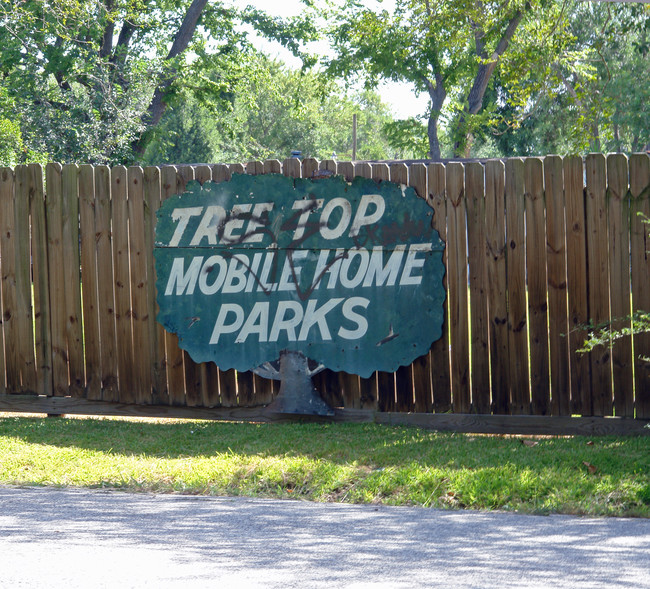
[
  {"x": 122, "y": 81},
  {"x": 494, "y": 70},
  {"x": 451, "y": 50},
  {"x": 275, "y": 110},
  {"x": 90, "y": 78}
]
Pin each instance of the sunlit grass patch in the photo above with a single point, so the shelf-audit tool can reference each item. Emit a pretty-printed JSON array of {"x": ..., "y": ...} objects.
[{"x": 360, "y": 463}]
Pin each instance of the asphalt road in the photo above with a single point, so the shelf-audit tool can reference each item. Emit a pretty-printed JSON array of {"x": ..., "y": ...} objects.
[{"x": 72, "y": 539}]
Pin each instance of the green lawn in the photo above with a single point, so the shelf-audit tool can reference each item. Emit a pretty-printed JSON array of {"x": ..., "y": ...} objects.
[{"x": 332, "y": 462}]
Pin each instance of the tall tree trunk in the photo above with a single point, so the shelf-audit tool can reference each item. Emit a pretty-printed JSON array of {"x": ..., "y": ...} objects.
[
  {"x": 438, "y": 94},
  {"x": 181, "y": 42},
  {"x": 482, "y": 79}
]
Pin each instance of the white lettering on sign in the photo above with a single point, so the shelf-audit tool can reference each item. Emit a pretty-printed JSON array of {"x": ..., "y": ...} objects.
[
  {"x": 215, "y": 220},
  {"x": 211, "y": 220},
  {"x": 184, "y": 282},
  {"x": 252, "y": 273},
  {"x": 382, "y": 275},
  {"x": 306, "y": 207},
  {"x": 413, "y": 263},
  {"x": 246, "y": 223},
  {"x": 183, "y": 217},
  {"x": 346, "y": 215},
  {"x": 296, "y": 320},
  {"x": 362, "y": 218}
]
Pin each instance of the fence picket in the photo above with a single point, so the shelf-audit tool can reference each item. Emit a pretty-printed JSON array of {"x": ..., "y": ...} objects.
[
  {"x": 106, "y": 284},
  {"x": 557, "y": 286},
  {"x": 422, "y": 367},
  {"x": 386, "y": 386},
  {"x": 516, "y": 274},
  {"x": 254, "y": 389},
  {"x": 36, "y": 361},
  {"x": 292, "y": 167},
  {"x": 90, "y": 302},
  {"x": 8, "y": 262},
  {"x": 458, "y": 286},
  {"x": 56, "y": 278},
  {"x": 495, "y": 220},
  {"x": 577, "y": 286},
  {"x": 537, "y": 286},
  {"x": 140, "y": 318},
  {"x": 175, "y": 367},
  {"x": 121, "y": 278},
  {"x": 618, "y": 213},
  {"x": 72, "y": 280},
  {"x": 309, "y": 167},
  {"x": 404, "y": 391},
  {"x": 440, "y": 359},
  {"x": 227, "y": 379},
  {"x": 640, "y": 247},
  {"x": 350, "y": 384},
  {"x": 272, "y": 167},
  {"x": 368, "y": 392},
  {"x": 209, "y": 373},
  {"x": 193, "y": 392},
  {"x": 598, "y": 272},
  {"x": 152, "y": 190},
  {"x": 480, "y": 355}
]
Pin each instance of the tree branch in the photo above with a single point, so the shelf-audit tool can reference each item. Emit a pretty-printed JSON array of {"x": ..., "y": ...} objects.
[
  {"x": 121, "y": 47},
  {"x": 181, "y": 42},
  {"x": 486, "y": 69},
  {"x": 109, "y": 31}
]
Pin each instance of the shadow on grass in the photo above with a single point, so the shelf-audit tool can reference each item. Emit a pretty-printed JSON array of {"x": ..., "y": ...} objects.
[{"x": 363, "y": 444}]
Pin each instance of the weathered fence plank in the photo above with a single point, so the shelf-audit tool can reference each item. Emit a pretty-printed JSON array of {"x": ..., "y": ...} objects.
[
  {"x": 516, "y": 275},
  {"x": 404, "y": 390},
  {"x": 175, "y": 367},
  {"x": 138, "y": 246},
  {"x": 56, "y": 262},
  {"x": 90, "y": 299},
  {"x": 152, "y": 188},
  {"x": 440, "y": 358},
  {"x": 577, "y": 287},
  {"x": 8, "y": 266},
  {"x": 368, "y": 387},
  {"x": 458, "y": 286},
  {"x": 209, "y": 373},
  {"x": 537, "y": 286},
  {"x": 37, "y": 362},
  {"x": 105, "y": 284},
  {"x": 480, "y": 353},
  {"x": 193, "y": 392},
  {"x": 640, "y": 247},
  {"x": 560, "y": 382},
  {"x": 122, "y": 281},
  {"x": 26, "y": 199},
  {"x": 227, "y": 379},
  {"x": 618, "y": 213},
  {"x": 598, "y": 278},
  {"x": 495, "y": 220},
  {"x": 422, "y": 367},
  {"x": 72, "y": 280}
]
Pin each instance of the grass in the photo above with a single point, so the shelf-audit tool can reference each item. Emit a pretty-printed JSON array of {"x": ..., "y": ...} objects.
[{"x": 357, "y": 463}]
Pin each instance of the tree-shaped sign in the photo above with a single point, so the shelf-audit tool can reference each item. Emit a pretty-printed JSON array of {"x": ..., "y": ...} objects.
[{"x": 348, "y": 275}]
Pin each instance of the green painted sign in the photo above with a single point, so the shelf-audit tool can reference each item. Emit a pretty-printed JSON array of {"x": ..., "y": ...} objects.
[{"x": 349, "y": 274}]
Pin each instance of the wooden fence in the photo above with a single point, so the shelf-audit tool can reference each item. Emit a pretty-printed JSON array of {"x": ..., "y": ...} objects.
[{"x": 535, "y": 248}]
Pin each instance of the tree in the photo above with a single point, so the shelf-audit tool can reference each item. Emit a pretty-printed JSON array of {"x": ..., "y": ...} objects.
[
  {"x": 451, "y": 50},
  {"x": 274, "y": 110},
  {"x": 91, "y": 77},
  {"x": 592, "y": 100}
]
